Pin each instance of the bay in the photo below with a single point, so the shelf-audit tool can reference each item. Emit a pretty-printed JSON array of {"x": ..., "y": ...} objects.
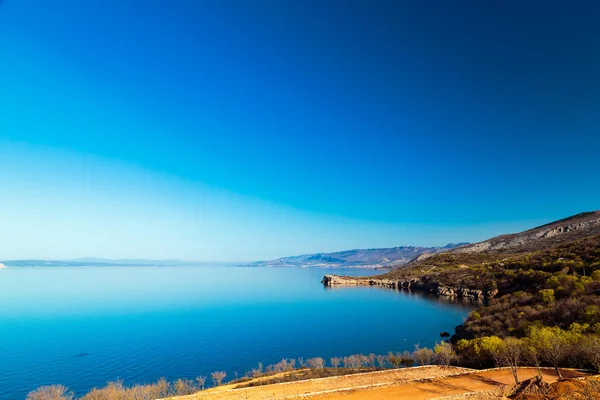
[{"x": 84, "y": 326}]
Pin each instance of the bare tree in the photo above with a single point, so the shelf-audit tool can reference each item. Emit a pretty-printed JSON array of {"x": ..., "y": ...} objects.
[
  {"x": 291, "y": 363},
  {"x": 258, "y": 371},
  {"x": 183, "y": 387},
  {"x": 54, "y": 392},
  {"x": 394, "y": 359},
  {"x": 423, "y": 356},
  {"x": 217, "y": 377},
  {"x": 316, "y": 363},
  {"x": 382, "y": 361},
  {"x": 335, "y": 362},
  {"x": 201, "y": 380},
  {"x": 352, "y": 362},
  {"x": 371, "y": 360}
]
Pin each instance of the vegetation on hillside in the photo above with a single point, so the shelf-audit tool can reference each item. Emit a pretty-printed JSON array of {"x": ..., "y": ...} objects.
[
  {"x": 555, "y": 287},
  {"x": 510, "y": 272}
]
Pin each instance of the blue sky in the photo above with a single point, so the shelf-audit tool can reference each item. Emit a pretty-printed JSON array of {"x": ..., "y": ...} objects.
[{"x": 243, "y": 130}]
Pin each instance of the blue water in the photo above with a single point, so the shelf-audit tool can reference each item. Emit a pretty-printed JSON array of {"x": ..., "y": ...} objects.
[{"x": 84, "y": 326}]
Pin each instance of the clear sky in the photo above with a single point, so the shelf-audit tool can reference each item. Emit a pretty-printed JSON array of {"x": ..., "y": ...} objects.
[{"x": 245, "y": 130}]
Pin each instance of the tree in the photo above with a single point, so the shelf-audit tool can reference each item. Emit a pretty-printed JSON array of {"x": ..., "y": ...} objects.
[
  {"x": 552, "y": 343},
  {"x": 258, "y": 371},
  {"x": 533, "y": 354},
  {"x": 353, "y": 362},
  {"x": 371, "y": 360},
  {"x": 423, "y": 356},
  {"x": 445, "y": 353},
  {"x": 53, "y": 392},
  {"x": 201, "y": 380},
  {"x": 590, "y": 347},
  {"x": 217, "y": 377},
  {"x": 335, "y": 362},
  {"x": 394, "y": 360},
  {"x": 492, "y": 347},
  {"x": 511, "y": 353},
  {"x": 316, "y": 363},
  {"x": 183, "y": 387}
]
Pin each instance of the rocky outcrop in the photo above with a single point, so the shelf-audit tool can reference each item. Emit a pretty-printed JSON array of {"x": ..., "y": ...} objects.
[
  {"x": 568, "y": 229},
  {"x": 412, "y": 284}
]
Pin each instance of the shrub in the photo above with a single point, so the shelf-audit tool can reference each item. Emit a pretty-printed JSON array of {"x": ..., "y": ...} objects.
[
  {"x": 547, "y": 295},
  {"x": 54, "y": 392},
  {"x": 407, "y": 362}
]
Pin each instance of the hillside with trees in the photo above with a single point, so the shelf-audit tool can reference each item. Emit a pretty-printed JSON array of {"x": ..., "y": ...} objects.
[{"x": 542, "y": 288}]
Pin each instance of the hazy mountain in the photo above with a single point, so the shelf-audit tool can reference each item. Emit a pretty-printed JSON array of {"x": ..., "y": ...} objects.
[
  {"x": 384, "y": 257},
  {"x": 100, "y": 262}
]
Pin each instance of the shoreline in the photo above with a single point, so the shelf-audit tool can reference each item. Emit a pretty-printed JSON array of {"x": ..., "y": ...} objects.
[{"x": 330, "y": 280}]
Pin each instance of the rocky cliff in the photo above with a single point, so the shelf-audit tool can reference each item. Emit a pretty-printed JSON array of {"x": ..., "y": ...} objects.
[{"x": 411, "y": 284}]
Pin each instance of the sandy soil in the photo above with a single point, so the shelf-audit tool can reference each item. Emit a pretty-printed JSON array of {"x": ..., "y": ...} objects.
[
  {"x": 449, "y": 385},
  {"x": 407, "y": 383}
]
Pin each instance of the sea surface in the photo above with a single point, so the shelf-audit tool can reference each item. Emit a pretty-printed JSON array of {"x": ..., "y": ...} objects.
[{"x": 84, "y": 326}]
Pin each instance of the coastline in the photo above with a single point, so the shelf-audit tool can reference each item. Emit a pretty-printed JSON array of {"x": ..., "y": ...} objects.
[{"x": 412, "y": 284}]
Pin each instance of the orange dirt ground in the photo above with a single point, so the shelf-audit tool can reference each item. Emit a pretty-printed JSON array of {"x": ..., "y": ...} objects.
[{"x": 408, "y": 383}]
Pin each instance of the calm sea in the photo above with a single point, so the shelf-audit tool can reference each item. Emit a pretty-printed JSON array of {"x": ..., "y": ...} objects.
[{"x": 84, "y": 326}]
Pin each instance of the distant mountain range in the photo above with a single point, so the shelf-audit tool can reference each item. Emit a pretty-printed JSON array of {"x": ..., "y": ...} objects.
[
  {"x": 372, "y": 258},
  {"x": 101, "y": 262}
]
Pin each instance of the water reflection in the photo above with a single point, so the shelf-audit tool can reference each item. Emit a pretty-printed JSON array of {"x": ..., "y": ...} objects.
[{"x": 464, "y": 302}]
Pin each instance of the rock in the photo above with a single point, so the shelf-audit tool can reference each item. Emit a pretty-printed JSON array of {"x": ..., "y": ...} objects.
[
  {"x": 2, "y": 266},
  {"x": 535, "y": 385}
]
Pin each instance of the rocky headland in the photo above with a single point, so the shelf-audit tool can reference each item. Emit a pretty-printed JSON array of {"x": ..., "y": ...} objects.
[{"x": 411, "y": 284}]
